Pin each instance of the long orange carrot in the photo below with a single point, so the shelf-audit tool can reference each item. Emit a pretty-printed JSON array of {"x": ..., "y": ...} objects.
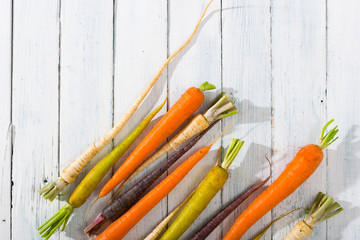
[
  {"x": 189, "y": 102},
  {"x": 299, "y": 169}
]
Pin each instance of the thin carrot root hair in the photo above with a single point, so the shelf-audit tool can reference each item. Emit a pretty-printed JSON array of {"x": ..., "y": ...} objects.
[
  {"x": 88, "y": 211},
  {"x": 262, "y": 233},
  {"x": 227, "y": 128}
]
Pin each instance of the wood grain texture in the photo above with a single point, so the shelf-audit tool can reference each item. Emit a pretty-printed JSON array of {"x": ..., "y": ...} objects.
[
  {"x": 34, "y": 113},
  {"x": 299, "y": 97},
  {"x": 140, "y": 50},
  {"x": 200, "y": 61},
  {"x": 247, "y": 74},
  {"x": 343, "y": 105},
  {"x": 5, "y": 117},
  {"x": 86, "y": 91},
  {"x": 73, "y": 68}
]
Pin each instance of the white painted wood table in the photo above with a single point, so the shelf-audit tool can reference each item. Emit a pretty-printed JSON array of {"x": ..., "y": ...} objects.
[{"x": 70, "y": 68}]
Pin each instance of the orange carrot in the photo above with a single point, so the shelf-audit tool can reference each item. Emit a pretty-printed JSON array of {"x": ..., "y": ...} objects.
[
  {"x": 123, "y": 225},
  {"x": 189, "y": 102},
  {"x": 299, "y": 169}
]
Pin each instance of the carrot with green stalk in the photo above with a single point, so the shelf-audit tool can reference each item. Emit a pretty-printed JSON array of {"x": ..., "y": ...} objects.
[
  {"x": 221, "y": 108},
  {"x": 296, "y": 173},
  {"x": 206, "y": 191},
  {"x": 119, "y": 228},
  {"x": 187, "y": 104},
  {"x": 205, "y": 230},
  {"x": 92, "y": 179},
  {"x": 323, "y": 208},
  {"x": 70, "y": 173}
]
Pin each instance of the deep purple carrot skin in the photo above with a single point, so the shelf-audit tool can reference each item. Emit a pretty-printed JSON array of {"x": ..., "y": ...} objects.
[
  {"x": 218, "y": 218},
  {"x": 122, "y": 203}
]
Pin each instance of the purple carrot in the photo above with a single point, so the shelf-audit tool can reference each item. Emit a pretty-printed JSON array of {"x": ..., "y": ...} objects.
[
  {"x": 123, "y": 202},
  {"x": 205, "y": 230}
]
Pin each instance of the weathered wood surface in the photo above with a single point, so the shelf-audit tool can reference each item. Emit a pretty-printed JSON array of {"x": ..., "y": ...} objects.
[{"x": 70, "y": 69}]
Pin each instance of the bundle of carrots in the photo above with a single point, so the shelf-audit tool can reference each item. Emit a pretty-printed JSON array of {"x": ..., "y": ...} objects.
[{"x": 125, "y": 210}]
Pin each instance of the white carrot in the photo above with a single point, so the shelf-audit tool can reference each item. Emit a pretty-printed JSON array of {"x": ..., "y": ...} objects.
[
  {"x": 70, "y": 173},
  {"x": 323, "y": 209},
  {"x": 221, "y": 108}
]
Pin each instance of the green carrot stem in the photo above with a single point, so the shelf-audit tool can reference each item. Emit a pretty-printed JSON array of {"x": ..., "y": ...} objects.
[
  {"x": 318, "y": 199},
  {"x": 232, "y": 152},
  {"x": 61, "y": 217},
  {"x": 328, "y": 138},
  {"x": 206, "y": 86},
  {"x": 323, "y": 208},
  {"x": 221, "y": 108}
]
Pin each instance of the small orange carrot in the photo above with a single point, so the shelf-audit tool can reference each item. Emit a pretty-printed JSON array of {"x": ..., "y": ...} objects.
[
  {"x": 188, "y": 103},
  {"x": 296, "y": 173}
]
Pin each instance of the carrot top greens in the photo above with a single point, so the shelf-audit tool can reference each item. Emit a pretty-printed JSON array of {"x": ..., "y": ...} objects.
[
  {"x": 328, "y": 138},
  {"x": 323, "y": 208},
  {"x": 231, "y": 153},
  {"x": 222, "y": 107}
]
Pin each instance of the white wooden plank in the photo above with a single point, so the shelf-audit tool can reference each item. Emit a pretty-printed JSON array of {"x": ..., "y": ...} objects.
[
  {"x": 246, "y": 73},
  {"x": 5, "y": 117},
  {"x": 299, "y": 101},
  {"x": 140, "y": 50},
  {"x": 199, "y": 62},
  {"x": 35, "y": 112},
  {"x": 343, "y": 106},
  {"x": 86, "y": 68}
]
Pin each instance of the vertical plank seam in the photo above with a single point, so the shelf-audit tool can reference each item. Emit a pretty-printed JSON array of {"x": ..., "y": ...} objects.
[
  {"x": 271, "y": 95},
  {"x": 222, "y": 122},
  {"x": 326, "y": 99},
  {"x": 113, "y": 78},
  {"x": 11, "y": 115},
  {"x": 167, "y": 83},
  {"x": 59, "y": 97}
]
